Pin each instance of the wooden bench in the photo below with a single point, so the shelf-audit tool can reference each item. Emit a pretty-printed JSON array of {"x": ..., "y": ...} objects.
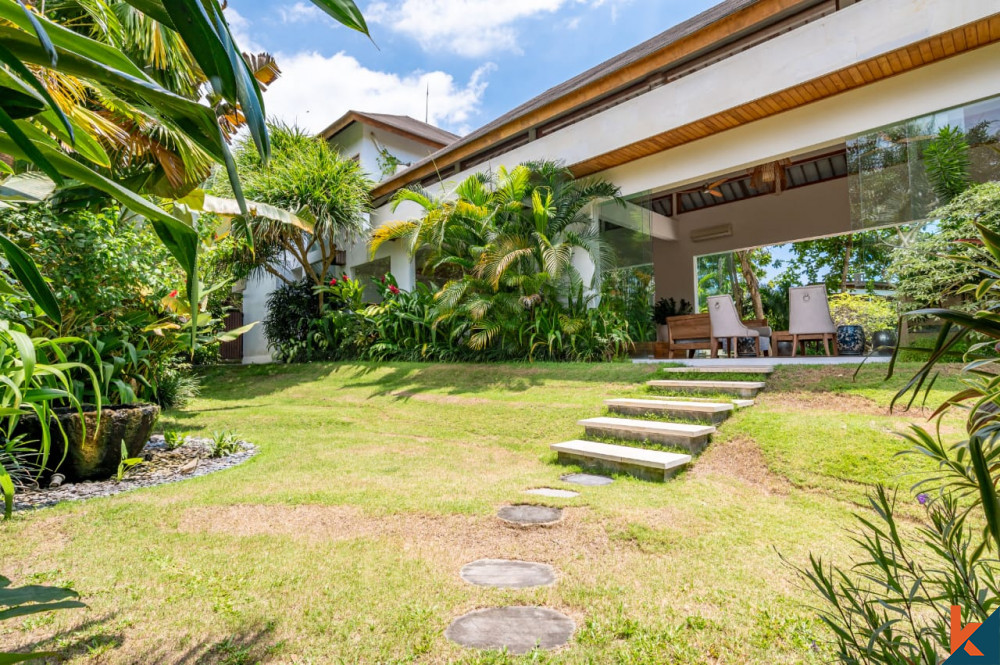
[{"x": 693, "y": 332}]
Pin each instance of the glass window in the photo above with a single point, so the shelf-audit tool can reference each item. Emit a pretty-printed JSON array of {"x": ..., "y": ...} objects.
[
  {"x": 373, "y": 270},
  {"x": 888, "y": 177}
]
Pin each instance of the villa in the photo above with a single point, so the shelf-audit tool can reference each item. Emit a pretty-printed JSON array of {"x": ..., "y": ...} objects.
[{"x": 754, "y": 123}]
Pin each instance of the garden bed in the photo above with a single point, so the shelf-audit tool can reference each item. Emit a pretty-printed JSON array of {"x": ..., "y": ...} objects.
[{"x": 159, "y": 467}]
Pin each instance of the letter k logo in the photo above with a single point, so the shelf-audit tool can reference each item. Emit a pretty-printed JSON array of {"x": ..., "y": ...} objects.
[{"x": 959, "y": 635}]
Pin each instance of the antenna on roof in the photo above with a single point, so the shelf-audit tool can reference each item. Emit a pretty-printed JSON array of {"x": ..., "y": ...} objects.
[{"x": 427, "y": 106}]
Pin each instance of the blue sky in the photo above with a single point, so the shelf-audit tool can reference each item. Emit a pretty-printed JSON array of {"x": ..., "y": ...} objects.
[{"x": 480, "y": 58}]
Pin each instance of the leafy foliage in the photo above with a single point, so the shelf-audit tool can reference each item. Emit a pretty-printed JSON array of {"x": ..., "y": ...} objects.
[
  {"x": 668, "y": 307},
  {"x": 925, "y": 273},
  {"x": 893, "y": 605},
  {"x": 872, "y": 313},
  {"x": 308, "y": 178},
  {"x": 948, "y": 164},
  {"x": 28, "y": 600}
]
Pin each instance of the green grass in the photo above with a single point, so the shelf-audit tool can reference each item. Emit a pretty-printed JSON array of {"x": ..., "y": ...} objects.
[{"x": 342, "y": 540}]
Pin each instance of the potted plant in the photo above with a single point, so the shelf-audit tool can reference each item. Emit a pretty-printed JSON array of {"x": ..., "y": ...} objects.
[
  {"x": 91, "y": 448},
  {"x": 857, "y": 316},
  {"x": 664, "y": 309}
]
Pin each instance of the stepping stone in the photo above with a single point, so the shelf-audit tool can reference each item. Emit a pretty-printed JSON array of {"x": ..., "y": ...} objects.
[
  {"x": 586, "y": 479},
  {"x": 503, "y": 574},
  {"x": 743, "y": 389},
  {"x": 738, "y": 403},
  {"x": 709, "y": 412},
  {"x": 553, "y": 493},
  {"x": 517, "y": 629},
  {"x": 691, "y": 437},
  {"x": 721, "y": 369},
  {"x": 528, "y": 515},
  {"x": 649, "y": 464}
]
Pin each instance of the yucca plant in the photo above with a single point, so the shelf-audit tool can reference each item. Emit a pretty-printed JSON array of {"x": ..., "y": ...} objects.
[{"x": 893, "y": 604}]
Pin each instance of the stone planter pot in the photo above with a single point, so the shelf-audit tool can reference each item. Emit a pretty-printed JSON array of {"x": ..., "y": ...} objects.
[
  {"x": 784, "y": 349},
  {"x": 884, "y": 342},
  {"x": 851, "y": 340},
  {"x": 97, "y": 455}
]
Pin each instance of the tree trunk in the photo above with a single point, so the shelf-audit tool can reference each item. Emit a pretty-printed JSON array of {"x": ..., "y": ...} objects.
[
  {"x": 753, "y": 284},
  {"x": 735, "y": 281},
  {"x": 848, "y": 251}
]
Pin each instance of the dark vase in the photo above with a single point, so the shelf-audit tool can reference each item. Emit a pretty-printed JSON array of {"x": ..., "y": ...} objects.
[
  {"x": 745, "y": 347},
  {"x": 95, "y": 456},
  {"x": 884, "y": 342},
  {"x": 785, "y": 349},
  {"x": 851, "y": 340}
]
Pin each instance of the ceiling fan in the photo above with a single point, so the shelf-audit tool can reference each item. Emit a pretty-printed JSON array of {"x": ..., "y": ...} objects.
[{"x": 713, "y": 188}]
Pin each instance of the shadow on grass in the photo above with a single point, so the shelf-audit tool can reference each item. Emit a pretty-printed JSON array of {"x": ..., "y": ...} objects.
[
  {"x": 92, "y": 639},
  {"x": 251, "y": 381}
]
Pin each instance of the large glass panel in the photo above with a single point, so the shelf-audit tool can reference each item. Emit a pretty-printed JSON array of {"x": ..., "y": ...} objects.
[
  {"x": 888, "y": 176},
  {"x": 625, "y": 276},
  {"x": 373, "y": 270}
]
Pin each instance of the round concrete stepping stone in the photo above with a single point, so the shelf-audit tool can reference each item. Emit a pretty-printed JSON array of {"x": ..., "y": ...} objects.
[
  {"x": 587, "y": 479},
  {"x": 518, "y": 629},
  {"x": 528, "y": 515},
  {"x": 554, "y": 493},
  {"x": 504, "y": 574}
]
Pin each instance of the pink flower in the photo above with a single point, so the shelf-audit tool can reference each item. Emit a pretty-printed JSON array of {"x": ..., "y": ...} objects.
[
  {"x": 173, "y": 294},
  {"x": 333, "y": 282}
]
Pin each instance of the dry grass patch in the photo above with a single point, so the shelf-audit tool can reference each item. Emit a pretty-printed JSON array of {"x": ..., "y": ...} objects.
[{"x": 742, "y": 459}]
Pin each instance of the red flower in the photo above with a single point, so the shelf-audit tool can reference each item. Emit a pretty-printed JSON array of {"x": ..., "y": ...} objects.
[
  {"x": 393, "y": 289},
  {"x": 383, "y": 279},
  {"x": 173, "y": 294},
  {"x": 333, "y": 282},
  {"x": 346, "y": 278}
]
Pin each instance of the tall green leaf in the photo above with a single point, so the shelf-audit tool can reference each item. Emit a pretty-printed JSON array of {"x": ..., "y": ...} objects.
[{"x": 28, "y": 274}]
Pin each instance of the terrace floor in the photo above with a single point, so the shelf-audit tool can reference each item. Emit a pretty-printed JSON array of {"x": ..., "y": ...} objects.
[{"x": 765, "y": 362}]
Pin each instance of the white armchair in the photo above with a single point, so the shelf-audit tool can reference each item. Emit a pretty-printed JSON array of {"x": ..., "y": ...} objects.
[
  {"x": 809, "y": 318},
  {"x": 726, "y": 325}
]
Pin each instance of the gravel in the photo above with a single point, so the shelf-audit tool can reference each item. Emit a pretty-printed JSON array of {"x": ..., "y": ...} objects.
[{"x": 160, "y": 466}]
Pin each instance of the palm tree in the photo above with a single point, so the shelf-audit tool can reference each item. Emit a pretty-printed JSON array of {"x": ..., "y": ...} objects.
[{"x": 508, "y": 239}]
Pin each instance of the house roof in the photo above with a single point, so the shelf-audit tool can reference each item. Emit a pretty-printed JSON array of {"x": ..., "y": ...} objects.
[
  {"x": 402, "y": 125},
  {"x": 719, "y": 25}
]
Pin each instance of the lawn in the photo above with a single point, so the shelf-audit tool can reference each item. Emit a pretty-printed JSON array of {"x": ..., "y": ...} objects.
[{"x": 342, "y": 540}]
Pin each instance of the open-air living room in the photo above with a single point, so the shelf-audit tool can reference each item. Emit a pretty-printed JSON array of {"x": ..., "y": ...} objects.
[{"x": 558, "y": 332}]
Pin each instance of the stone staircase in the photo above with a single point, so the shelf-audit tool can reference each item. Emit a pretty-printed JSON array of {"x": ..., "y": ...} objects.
[{"x": 686, "y": 423}]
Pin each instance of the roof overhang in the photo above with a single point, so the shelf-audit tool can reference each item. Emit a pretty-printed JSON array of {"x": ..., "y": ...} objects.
[{"x": 352, "y": 117}]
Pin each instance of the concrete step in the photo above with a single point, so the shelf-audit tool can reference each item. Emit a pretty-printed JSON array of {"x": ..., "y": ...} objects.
[
  {"x": 721, "y": 369},
  {"x": 738, "y": 403},
  {"x": 709, "y": 412},
  {"x": 743, "y": 389},
  {"x": 692, "y": 437},
  {"x": 650, "y": 464}
]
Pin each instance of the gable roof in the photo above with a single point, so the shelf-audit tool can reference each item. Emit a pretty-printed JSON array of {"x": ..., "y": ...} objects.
[{"x": 403, "y": 125}]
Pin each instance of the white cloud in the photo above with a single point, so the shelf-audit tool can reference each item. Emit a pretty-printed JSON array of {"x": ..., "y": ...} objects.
[
  {"x": 301, "y": 12},
  {"x": 314, "y": 90},
  {"x": 470, "y": 28},
  {"x": 239, "y": 26}
]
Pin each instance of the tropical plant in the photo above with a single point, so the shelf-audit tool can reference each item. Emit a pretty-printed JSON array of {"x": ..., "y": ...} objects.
[
  {"x": 43, "y": 59},
  {"x": 666, "y": 308},
  {"x": 504, "y": 241},
  {"x": 224, "y": 444},
  {"x": 894, "y": 605},
  {"x": 126, "y": 464},
  {"x": 630, "y": 292},
  {"x": 172, "y": 439},
  {"x": 306, "y": 176},
  {"x": 36, "y": 374},
  {"x": 925, "y": 274},
  {"x": 946, "y": 158}
]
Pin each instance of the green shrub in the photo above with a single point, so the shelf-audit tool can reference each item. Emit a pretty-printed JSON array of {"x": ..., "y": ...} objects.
[{"x": 870, "y": 312}]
